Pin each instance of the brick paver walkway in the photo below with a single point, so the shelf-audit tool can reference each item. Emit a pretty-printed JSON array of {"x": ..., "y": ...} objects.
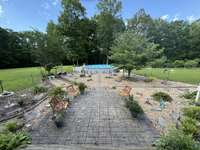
[{"x": 98, "y": 118}]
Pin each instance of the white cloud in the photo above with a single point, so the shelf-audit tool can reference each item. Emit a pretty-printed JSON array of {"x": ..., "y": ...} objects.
[
  {"x": 191, "y": 18},
  {"x": 55, "y": 2},
  {"x": 46, "y": 5},
  {"x": 164, "y": 17},
  {"x": 1, "y": 10},
  {"x": 176, "y": 17}
]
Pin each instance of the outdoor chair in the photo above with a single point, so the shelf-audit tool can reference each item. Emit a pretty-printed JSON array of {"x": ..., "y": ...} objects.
[
  {"x": 125, "y": 91},
  {"x": 58, "y": 105},
  {"x": 72, "y": 91}
]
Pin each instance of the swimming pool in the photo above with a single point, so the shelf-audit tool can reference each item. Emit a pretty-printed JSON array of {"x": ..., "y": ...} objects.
[{"x": 100, "y": 68}]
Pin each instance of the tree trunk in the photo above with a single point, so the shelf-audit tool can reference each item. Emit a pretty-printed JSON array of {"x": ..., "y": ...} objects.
[
  {"x": 107, "y": 60},
  {"x": 129, "y": 73},
  {"x": 77, "y": 62}
]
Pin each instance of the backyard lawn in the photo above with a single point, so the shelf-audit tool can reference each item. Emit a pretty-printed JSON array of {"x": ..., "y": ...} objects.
[
  {"x": 174, "y": 74},
  {"x": 21, "y": 78}
]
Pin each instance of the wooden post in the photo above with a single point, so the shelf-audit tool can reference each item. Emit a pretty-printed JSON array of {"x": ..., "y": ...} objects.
[
  {"x": 198, "y": 94},
  {"x": 1, "y": 85},
  {"x": 32, "y": 79}
]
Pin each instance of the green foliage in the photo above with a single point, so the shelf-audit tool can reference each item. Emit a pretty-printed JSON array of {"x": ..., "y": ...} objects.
[
  {"x": 189, "y": 126},
  {"x": 191, "y": 64},
  {"x": 39, "y": 89},
  {"x": 179, "y": 63},
  {"x": 11, "y": 141},
  {"x": 189, "y": 95},
  {"x": 12, "y": 126},
  {"x": 58, "y": 92},
  {"x": 157, "y": 63},
  {"x": 82, "y": 87},
  {"x": 161, "y": 95},
  {"x": 133, "y": 51},
  {"x": 108, "y": 25},
  {"x": 192, "y": 112},
  {"x": 48, "y": 67},
  {"x": 114, "y": 87},
  {"x": 135, "y": 109},
  {"x": 176, "y": 140}
]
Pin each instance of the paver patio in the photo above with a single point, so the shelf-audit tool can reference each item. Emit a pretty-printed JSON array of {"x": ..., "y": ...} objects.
[{"x": 98, "y": 118}]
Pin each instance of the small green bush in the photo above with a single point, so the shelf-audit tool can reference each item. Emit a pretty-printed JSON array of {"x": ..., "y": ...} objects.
[
  {"x": 179, "y": 63},
  {"x": 189, "y": 126},
  {"x": 134, "y": 107},
  {"x": 82, "y": 87},
  {"x": 12, "y": 126},
  {"x": 191, "y": 64},
  {"x": 39, "y": 89},
  {"x": 57, "y": 91},
  {"x": 192, "y": 112},
  {"x": 176, "y": 140},
  {"x": 12, "y": 141},
  {"x": 189, "y": 95},
  {"x": 158, "y": 63},
  {"x": 161, "y": 95},
  {"x": 114, "y": 87}
]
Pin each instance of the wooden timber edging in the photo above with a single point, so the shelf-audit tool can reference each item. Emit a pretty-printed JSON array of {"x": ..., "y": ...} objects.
[{"x": 3, "y": 119}]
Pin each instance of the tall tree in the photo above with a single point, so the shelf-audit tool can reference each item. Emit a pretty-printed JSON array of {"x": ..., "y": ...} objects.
[
  {"x": 70, "y": 23},
  {"x": 133, "y": 51},
  {"x": 109, "y": 23},
  {"x": 142, "y": 23}
]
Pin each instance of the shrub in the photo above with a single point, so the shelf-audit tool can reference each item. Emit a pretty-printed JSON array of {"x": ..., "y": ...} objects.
[
  {"x": 39, "y": 89},
  {"x": 114, "y": 87},
  {"x": 189, "y": 95},
  {"x": 158, "y": 63},
  {"x": 176, "y": 140},
  {"x": 191, "y": 64},
  {"x": 12, "y": 126},
  {"x": 82, "y": 87},
  {"x": 11, "y": 141},
  {"x": 179, "y": 63},
  {"x": 192, "y": 112},
  {"x": 189, "y": 126},
  {"x": 149, "y": 79},
  {"x": 57, "y": 91},
  {"x": 134, "y": 107},
  {"x": 161, "y": 95}
]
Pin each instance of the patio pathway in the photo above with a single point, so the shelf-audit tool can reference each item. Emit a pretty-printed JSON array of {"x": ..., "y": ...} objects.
[{"x": 97, "y": 118}]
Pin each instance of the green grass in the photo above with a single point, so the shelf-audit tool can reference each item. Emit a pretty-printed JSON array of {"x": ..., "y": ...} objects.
[
  {"x": 175, "y": 74},
  {"x": 21, "y": 78}
]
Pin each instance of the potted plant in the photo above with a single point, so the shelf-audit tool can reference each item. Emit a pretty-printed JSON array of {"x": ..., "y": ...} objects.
[
  {"x": 58, "y": 105},
  {"x": 82, "y": 87}
]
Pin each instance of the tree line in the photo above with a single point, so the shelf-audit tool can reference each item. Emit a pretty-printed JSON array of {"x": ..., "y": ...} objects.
[{"x": 77, "y": 39}]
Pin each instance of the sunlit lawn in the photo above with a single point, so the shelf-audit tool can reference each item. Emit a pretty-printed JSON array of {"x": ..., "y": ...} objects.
[
  {"x": 21, "y": 78},
  {"x": 175, "y": 74}
]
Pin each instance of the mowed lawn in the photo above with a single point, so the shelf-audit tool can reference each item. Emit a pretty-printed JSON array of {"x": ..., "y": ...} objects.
[
  {"x": 21, "y": 78},
  {"x": 175, "y": 74}
]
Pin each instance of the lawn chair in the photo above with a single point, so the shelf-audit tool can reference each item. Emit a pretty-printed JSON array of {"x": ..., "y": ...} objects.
[
  {"x": 58, "y": 105},
  {"x": 72, "y": 91},
  {"x": 125, "y": 91}
]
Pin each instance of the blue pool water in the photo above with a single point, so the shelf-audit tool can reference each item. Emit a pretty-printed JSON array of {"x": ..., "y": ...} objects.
[{"x": 102, "y": 66}]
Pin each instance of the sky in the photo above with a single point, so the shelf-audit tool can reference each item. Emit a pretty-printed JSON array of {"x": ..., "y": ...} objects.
[{"x": 21, "y": 15}]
